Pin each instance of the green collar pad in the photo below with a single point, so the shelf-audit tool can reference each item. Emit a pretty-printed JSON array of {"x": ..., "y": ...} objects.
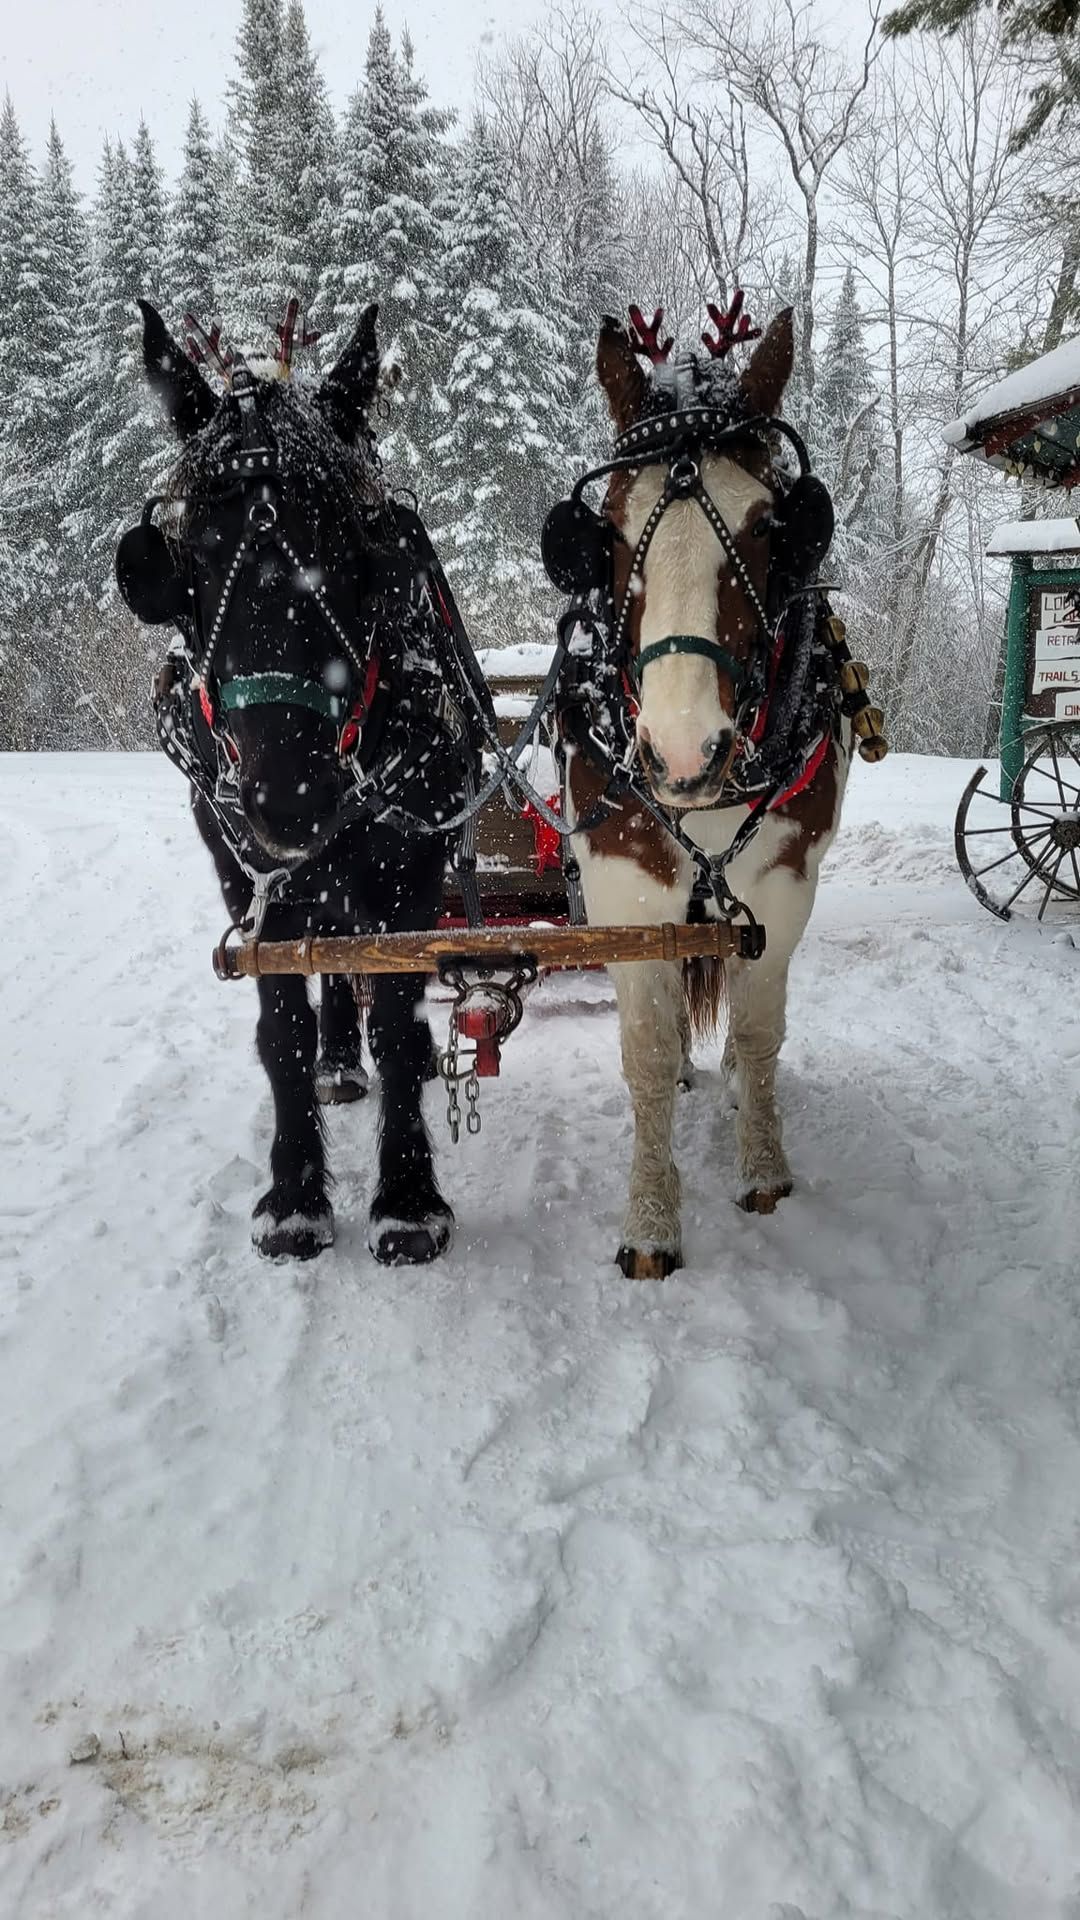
[{"x": 280, "y": 690}]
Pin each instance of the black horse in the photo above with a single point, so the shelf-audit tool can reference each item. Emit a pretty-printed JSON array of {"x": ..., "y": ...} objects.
[{"x": 319, "y": 716}]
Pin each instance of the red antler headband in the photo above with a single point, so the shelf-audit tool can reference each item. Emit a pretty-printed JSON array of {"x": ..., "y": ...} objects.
[
  {"x": 732, "y": 327},
  {"x": 204, "y": 348},
  {"x": 286, "y": 333},
  {"x": 644, "y": 336}
]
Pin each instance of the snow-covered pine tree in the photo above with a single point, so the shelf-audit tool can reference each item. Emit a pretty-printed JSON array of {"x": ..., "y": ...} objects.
[
  {"x": 348, "y": 277},
  {"x": 17, "y": 229},
  {"x": 845, "y": 431},
  {"x": 256, "y": 100},
  {"x": 306, "y": 178},
  {"x": 22, "y": 555},
  {"x": 845, "y": 381},
  {"x": 501, "y": 456},
  {"x": 45, "y": 402},
  {"x": 195, "y": 229},
  {"x": 596, "y": 271},
  {"x": 118, "y": 448},
  {"x": 389, "y": 243},
  {"x": 135, "y": 451}
]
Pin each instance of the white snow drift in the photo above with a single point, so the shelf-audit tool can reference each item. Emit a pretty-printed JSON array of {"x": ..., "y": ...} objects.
[{"x": 507, "y": 1589}]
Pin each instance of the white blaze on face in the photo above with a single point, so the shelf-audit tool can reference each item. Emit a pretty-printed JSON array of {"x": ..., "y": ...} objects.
[{"x": 682, "y": 716}]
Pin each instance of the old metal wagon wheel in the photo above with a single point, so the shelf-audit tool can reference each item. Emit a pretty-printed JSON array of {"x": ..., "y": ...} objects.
[
  {"x": 1045, "y": 811},
  {"x": 1023, "y": 853}
]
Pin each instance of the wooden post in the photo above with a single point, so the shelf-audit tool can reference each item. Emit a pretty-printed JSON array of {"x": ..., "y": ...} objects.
[
  {"x": 498, "y": 946},
  {"x": 1016, "y": 673}
]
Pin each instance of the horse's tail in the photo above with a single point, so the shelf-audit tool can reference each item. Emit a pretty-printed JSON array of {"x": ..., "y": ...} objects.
[{"x": 704, "y": 988}]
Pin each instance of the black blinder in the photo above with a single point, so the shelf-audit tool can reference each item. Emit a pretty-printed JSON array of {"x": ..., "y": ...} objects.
[
  {"x": 802, "y": 529},
  {"x": 147, "y": 574},
  {"x": 395, "y": 568},
  {"x": 575, "y": 546}
]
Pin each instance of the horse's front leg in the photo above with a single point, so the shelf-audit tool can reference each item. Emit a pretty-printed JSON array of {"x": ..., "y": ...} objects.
[
  {"x": 339, "y": 1066},
  {"x": 757, "y": 1009},
  {"x": 409, "y": 1220},
  {"x": 631, "y": 874},
  {"x": 294, "y": 1215},
  {"x": 650, "y": 997}
]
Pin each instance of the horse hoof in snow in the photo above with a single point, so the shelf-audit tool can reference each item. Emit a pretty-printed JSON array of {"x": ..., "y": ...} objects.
[
  {"x": 764, "y": 1199},
  {"x": 654, "y": 1263},
  {"x": 340, "y": 1086},
  {"x": 296, "y": 1236},
  {"x": 410, "y": 1243}
]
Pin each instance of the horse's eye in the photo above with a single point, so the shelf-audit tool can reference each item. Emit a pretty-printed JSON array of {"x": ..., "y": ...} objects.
[{"x": 762, "y": 526}]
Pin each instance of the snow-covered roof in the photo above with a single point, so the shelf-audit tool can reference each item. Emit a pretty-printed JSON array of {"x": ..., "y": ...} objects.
[
  {"x": 1029, "y": 422},
  {"x": 1035, "y": 536},
  {"x": 524, "y": 662}
]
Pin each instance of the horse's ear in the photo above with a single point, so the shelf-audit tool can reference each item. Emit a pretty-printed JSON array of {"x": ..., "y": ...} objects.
[
  {"x": 351, "y": 384},
  {"x": 188, "y": 401},
  {"x": 620, "y": 374},
  {"x": 770, "y": 365}
]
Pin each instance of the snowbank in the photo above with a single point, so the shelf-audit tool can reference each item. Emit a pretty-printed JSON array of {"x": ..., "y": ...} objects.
[
  {"x": 522, "y": 662},
  {"x": 507, "y": 1589}
]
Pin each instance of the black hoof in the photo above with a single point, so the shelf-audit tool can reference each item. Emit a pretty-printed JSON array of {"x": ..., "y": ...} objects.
[
  {"x": 301, "y": 1234},
  {"x": 410, "y": 1243}
]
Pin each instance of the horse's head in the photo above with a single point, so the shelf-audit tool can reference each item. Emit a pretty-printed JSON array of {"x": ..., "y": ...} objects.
[
  {"x": 694, "y": 523},
  {"x": 274, "y": 501}
]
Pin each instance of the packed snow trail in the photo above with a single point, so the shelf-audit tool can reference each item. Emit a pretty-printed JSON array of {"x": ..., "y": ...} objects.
[{"x": 507, "y": 1589}]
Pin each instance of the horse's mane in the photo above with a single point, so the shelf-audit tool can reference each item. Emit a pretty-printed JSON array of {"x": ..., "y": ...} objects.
[{"x": 305, "y": 439}]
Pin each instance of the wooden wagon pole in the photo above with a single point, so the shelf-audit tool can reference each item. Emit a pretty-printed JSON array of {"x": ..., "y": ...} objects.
[{"x": 497, "y": 946}]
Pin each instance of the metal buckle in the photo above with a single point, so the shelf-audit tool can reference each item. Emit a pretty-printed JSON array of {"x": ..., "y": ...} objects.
[{"x": 264, "y": 887}]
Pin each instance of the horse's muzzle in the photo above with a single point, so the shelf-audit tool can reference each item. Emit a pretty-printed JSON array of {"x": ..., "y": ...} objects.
[
  {"x": 700, "y": 789},
  {"x": 291, "y": 827}
]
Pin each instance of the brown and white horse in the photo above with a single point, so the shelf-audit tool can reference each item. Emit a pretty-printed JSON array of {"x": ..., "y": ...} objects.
[{"x": 632, "y": 870}]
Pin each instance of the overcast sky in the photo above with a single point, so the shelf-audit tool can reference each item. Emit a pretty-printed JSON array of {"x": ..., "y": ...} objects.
[{"x": 98, "y": 64}]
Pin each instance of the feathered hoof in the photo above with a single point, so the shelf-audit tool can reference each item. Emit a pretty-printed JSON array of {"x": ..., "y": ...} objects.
[
  {"x": 297, "y": 1236},
  {"x": 687, "y": 1079},
  {"x": 340, "y": 1086},
  {"x": 410, "y": 1243},
  {"x": 764, "y": 1199},
  {"x": 648, "y": 1263}
]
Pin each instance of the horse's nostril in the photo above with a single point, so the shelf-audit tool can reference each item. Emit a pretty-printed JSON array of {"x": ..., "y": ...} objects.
[
  {"x": 289, "y": 815},
  {"x": 718, "y": 746},
  {"x": 653, "y": 761}
]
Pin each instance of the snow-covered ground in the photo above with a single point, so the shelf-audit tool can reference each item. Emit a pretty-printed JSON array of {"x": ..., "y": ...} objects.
[{"x": 509, "y": 1589}]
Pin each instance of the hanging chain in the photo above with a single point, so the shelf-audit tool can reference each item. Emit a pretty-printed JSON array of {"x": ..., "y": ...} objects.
[
  {"x": 452, "y": 1073},
  {"x": 502, "y": 998}
]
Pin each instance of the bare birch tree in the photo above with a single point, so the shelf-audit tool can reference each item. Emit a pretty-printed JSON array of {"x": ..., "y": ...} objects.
[{"x": 806, "y": 97}]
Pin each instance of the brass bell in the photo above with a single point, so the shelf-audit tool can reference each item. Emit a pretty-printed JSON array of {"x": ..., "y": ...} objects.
[
  {"x": 867, "y": 725},
  {"x": 837, "y": 632},
  {"x": 854, "y": 676}
]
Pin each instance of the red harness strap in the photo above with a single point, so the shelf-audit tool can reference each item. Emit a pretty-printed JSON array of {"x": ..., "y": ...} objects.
[
  {"x": 350, "y": 732},
  {"x": 806, "y": 775},
  {"x": 547, "y": 845}
]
